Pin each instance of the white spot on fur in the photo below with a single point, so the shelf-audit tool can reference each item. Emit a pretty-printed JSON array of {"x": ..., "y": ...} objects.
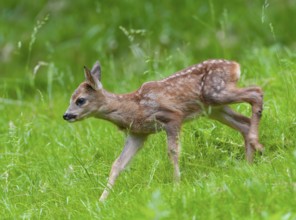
[
  {"x": 151, "y": 96},
  {"x": 149, "y": 103},
  {"x": 214, "y": 94},
  {"x": 216, "y": 80},
  {"x": 238, "y": 72}
]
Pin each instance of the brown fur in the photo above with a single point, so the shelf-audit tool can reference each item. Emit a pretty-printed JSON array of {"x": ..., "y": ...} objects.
[{"x": 164, "y": 105}]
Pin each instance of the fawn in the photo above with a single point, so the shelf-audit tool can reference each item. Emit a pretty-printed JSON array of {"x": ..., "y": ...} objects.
[{"x": 164, "y": 105}]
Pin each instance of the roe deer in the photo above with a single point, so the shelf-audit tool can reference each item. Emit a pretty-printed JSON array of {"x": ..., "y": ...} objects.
[{"x": 164, "y": 105}]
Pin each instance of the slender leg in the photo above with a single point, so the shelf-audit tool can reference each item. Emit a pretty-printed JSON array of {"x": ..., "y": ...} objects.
[
  {"x": 232, "y": 119},
  {"x": 255, "y": 120},
  {"x": 236, "y": 121},
  {"x": 251, "y": 95},
  {"x": 132, "y": 145},
  {"x": 173, "y": 131},
  {"x": 254, "y": 96}
]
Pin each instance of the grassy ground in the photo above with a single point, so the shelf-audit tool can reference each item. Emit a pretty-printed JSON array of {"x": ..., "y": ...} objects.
[{"x": 50, "y": 169}]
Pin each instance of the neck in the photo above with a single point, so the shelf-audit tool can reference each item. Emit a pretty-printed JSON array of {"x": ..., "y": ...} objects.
[{"x": 117, "y": 109}]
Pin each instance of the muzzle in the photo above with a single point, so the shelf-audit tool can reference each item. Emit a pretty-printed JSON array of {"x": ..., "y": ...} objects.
[{"x": 68, "y": 117}]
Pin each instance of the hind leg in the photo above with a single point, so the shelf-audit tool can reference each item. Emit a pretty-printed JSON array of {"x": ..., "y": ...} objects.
[
  {"x": 251, "y": 95},
  {"x": 232, "y": 119},
  {"x": 236, "y": 121}
]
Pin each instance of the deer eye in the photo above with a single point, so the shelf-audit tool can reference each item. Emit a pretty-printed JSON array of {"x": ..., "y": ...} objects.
[{"x": 80, "y": 101}]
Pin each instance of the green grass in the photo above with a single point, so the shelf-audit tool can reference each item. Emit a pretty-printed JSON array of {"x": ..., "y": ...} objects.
[{"x": 50, "y": 169}]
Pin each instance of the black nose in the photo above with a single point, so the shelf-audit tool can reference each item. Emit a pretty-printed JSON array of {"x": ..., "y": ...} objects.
[{"x": 67, "y": 116}]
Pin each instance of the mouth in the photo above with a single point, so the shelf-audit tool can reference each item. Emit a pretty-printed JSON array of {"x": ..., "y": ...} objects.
[
  {"x": 69, "y": 117},
  {"x": 71, "y": 120}
]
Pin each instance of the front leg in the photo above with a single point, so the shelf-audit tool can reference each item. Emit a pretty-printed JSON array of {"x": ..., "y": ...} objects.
[
  {"x": 173, "y": 131},
  {"x": 132, "y": 145}
]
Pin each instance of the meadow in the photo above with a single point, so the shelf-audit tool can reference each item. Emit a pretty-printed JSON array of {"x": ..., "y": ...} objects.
[{"x": 50, "y": 169}]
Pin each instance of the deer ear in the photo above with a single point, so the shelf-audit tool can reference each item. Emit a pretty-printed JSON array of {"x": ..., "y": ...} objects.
[
  {"x": 93, "y": 77},
  {"x": 96, "y": 70}
]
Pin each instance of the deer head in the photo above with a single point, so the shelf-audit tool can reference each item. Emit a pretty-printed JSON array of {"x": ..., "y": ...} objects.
[{"x": 88, "y": 97}]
